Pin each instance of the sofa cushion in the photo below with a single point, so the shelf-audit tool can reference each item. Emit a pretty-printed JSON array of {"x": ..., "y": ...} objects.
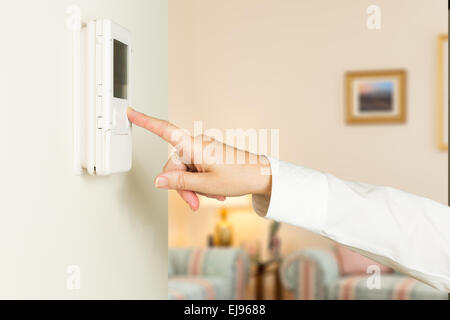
[
  {"x": 198, "y": 288},
  {"x": 307, "y": 273},
  {"x": 351, "y": 263},
  {"x": 230, "y": 264},
  {"x": 392, "y": 286}
]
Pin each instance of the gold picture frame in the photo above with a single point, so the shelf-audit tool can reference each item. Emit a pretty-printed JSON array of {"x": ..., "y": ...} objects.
[
  {"x": 376, "y": 96},
  {"x": 442, "y": 92}
]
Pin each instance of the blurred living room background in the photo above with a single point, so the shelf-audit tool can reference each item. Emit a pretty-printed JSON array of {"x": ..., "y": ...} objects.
[{"x": 267, "y": 64}]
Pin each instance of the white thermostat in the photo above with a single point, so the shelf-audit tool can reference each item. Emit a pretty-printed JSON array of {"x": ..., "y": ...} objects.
[{"x": 102, "y": 93}]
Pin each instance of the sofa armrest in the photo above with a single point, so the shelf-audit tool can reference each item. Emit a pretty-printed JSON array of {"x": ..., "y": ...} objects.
[
  {"x": 309, "y": 273},
  {"x": 229, "y": 264}
]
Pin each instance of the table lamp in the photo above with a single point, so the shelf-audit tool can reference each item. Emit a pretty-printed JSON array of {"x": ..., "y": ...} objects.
[{"x": 223, "y": 230}]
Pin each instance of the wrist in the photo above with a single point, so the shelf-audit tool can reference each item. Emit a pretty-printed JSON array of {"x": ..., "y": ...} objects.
[{"x": 264, "y": 179}]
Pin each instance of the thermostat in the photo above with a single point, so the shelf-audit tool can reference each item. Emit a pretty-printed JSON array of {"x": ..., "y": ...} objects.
[{"x": 103, "y": 142}]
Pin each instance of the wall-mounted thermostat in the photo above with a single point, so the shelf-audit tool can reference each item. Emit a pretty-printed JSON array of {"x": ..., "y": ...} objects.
[{"x": 102, "y": 132}]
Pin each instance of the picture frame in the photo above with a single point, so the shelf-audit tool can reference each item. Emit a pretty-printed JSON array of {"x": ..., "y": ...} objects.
[
  {"x": 442, "y": 92},
  {"x": 377, "y": 96}
]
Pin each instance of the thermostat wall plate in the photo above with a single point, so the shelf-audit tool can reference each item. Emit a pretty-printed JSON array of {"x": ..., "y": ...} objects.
[{"x": 102, "y": 132}]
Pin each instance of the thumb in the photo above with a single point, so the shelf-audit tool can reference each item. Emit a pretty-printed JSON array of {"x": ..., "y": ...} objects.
[{"x": 182, "y": 180}]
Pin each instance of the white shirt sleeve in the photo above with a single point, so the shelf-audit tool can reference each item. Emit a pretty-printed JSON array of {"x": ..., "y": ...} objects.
[{"x": 406, "y": 232}]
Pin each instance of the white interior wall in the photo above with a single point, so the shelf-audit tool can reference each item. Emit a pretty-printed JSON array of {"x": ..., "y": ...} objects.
[{"x": 114, "y": 228}]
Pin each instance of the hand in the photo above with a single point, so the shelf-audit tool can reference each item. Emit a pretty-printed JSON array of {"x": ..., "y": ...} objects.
[{"x": 202, "y": 165}]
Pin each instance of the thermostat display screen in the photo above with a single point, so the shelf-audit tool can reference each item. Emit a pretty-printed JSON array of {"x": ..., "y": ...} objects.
[{"x": 120, "y": 70}]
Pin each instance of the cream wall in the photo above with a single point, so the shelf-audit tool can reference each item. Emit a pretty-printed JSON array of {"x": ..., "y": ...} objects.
[
  {"x": 281, "y": 64},
  {"x": 114, "y": 228}
]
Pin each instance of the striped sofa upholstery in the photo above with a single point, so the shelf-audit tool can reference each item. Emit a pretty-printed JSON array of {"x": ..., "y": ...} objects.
[
  {"x": 206, "y": 274},
  {"x": 314, "y": 274}
]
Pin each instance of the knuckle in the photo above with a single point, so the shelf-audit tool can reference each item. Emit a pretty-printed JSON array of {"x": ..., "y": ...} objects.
[
  {"x": 164, "y": 125},
  {"x": 179, "y": 150},
  {"x": 208, "y": 139},
  {"x": 180, "y": 182},
  {"x": 145, "y": 122}
]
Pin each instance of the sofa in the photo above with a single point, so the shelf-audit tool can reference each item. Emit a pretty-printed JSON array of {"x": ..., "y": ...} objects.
[
  {"x": 207, "y": 274},
  {"x": 316, "y": 274}
]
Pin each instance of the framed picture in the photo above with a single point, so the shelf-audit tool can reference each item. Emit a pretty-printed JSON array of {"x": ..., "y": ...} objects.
[
  {"x": 442, "y": 98},
  {"x": 376, "y": 96}
]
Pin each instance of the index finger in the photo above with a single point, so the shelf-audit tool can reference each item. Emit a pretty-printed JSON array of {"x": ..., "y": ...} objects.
[{"x": 162, "y": 128}]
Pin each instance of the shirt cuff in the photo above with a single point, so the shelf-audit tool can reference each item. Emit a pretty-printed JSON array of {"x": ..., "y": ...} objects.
[
  {"x": 260, "y": 204},
  {"x": 299, "y": 196}
]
